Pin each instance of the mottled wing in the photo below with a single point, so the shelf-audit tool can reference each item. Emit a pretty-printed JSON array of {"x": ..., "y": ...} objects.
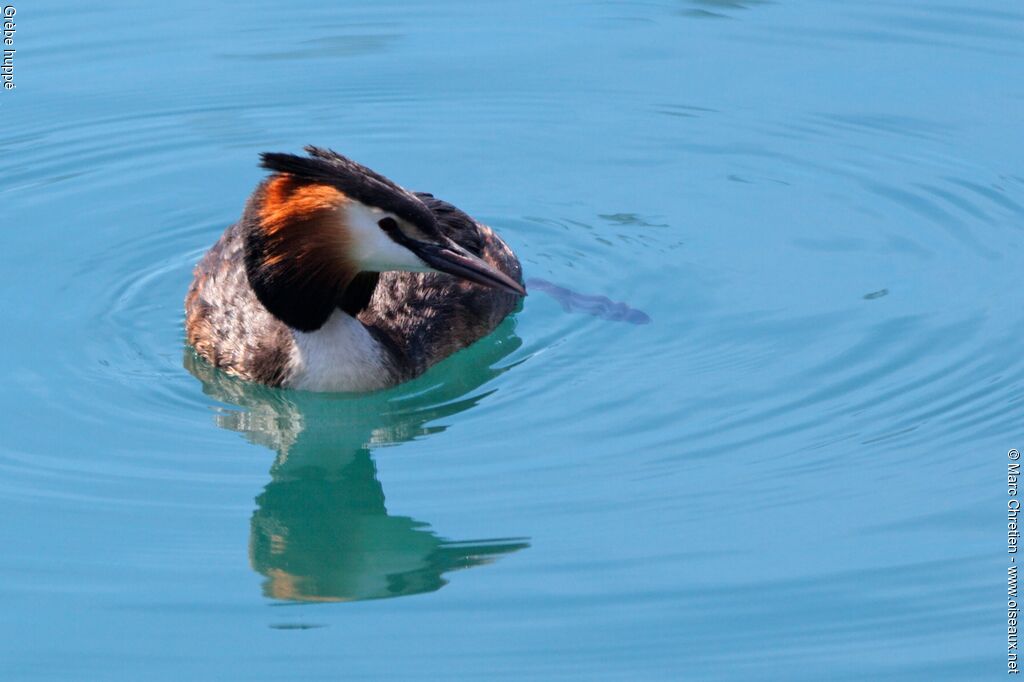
[{"x": 227, "y": 325}]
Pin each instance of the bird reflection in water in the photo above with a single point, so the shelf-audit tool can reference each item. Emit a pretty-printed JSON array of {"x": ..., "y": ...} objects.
[{"x": 321, "y": 531}]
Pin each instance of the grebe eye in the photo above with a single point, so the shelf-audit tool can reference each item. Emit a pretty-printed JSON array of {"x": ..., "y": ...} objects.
[{"x": 388, "y": 225}]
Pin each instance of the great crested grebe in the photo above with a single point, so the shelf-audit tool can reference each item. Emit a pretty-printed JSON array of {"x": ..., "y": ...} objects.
[{"x": 337, "y": 279}]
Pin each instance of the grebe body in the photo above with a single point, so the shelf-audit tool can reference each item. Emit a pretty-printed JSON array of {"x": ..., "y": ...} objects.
[{"x": 337, "y": 279}]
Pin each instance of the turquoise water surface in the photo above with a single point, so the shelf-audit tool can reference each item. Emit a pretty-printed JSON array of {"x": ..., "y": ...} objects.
[{"x": 795, "y": 471}]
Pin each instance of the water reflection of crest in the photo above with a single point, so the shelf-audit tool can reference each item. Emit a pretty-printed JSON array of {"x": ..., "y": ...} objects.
[{"x": 321, "y": 531}]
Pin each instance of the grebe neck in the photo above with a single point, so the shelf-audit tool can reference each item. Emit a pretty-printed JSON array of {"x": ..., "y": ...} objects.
[{"x": 342, "y": 355}]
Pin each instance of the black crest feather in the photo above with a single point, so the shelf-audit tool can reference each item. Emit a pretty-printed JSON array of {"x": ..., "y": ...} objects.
[{"x": 355, "y": 180}]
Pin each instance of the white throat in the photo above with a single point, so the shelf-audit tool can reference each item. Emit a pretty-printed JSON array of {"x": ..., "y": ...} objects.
[{"x": 340, "y": 356}]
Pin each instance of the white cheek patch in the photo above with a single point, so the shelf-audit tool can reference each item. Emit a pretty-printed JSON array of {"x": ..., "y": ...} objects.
[{"x": 370, "y": 247}]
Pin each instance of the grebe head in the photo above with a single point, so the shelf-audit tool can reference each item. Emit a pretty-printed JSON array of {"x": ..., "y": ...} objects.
[{"x": 321, "y": 227}]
